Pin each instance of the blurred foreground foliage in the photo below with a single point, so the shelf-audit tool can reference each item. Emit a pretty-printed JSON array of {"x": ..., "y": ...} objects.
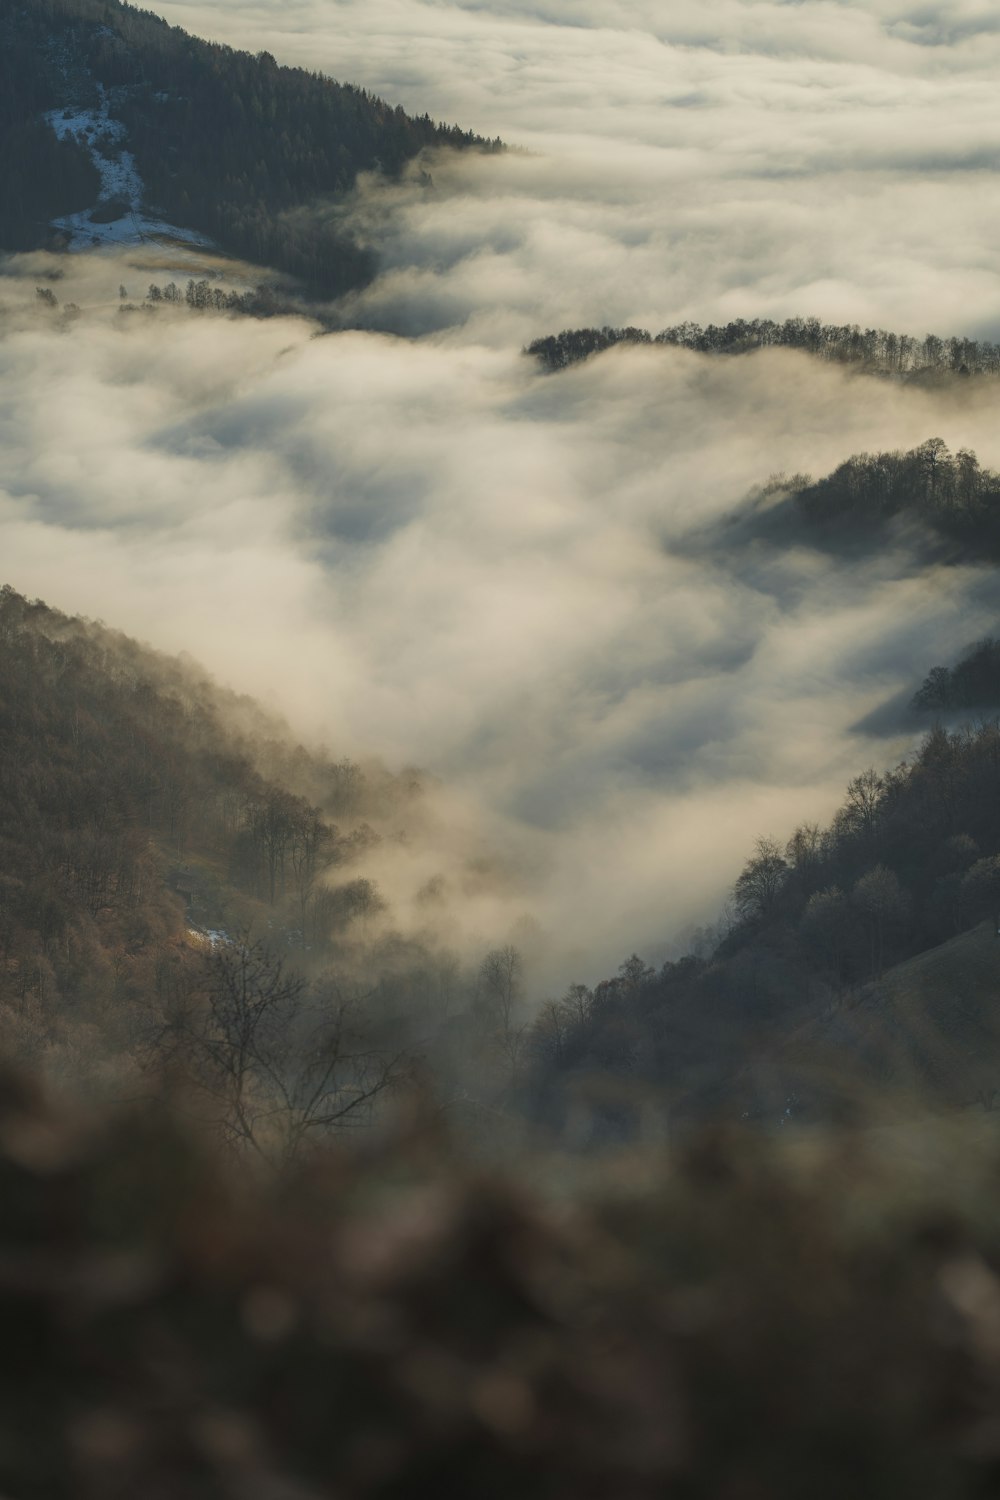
[{"x": 750, "y": 1316}]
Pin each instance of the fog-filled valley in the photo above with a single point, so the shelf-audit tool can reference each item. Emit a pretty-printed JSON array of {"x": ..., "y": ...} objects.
[
  {"x": 433, "y": 553},
  {"x": 499, "y": 748}
]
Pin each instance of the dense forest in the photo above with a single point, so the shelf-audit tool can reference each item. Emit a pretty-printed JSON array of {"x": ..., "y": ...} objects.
[
  {"x": 872, "y": 349},
  {"x": 141, "y": 811},
  {"x": 40, "y": 176},
  {"x": 226, "y": 143}
]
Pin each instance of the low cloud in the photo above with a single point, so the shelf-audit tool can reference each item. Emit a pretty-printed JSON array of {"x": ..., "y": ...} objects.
[
  {"x": 433, "y": 552},
  {"x": 416, "y": 545}
]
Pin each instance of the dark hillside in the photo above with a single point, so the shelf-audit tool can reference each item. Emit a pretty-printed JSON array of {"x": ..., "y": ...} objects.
[
  {"x": 226, "y": 143},
  {"x": 822, "y": 924},
  {"x": 927, "y": 503}
]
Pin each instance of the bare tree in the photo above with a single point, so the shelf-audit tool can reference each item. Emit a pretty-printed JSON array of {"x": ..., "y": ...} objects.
[
  {"x": 312, "y": 851},
  {"x": 756, "y": 890},
  {"x": 864, "y": 802},
  {"x": 501, "y": 978},
  {"x": 273, "y": 1062}
]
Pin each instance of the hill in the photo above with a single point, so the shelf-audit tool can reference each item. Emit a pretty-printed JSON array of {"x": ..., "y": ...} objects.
[
  {"x": 119, "y": 126},
  {"x": 876, "y": 351},
  {"x": 186, "y": 889},
  {"x": 149, "y": 818},
  {"x": 840, "y": 938}
]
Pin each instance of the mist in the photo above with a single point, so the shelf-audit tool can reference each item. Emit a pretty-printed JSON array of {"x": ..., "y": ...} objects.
[{"x": 416, "y": 545}]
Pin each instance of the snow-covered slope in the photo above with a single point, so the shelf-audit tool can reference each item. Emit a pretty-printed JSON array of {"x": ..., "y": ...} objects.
[{"x": 121, "y": 186}]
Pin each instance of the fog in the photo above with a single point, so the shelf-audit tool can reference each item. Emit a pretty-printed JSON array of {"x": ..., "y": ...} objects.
[
  {"x": 416, "y": 545},
  {"x": 696, "y": 159}
]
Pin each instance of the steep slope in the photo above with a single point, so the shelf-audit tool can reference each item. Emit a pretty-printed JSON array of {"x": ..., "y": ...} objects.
[{"x": 106, "y": 105}]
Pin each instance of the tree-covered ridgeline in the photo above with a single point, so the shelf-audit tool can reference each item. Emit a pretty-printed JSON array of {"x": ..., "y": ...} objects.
[
  {"x": 972, "y": 683},
  {"x": 227, "y": 143},
  {"x": 933, "y": 503},
  {"x": 871, "y": 349},
  {"x": 911, "y": 860},
  {"x": 950, "y": 495}
]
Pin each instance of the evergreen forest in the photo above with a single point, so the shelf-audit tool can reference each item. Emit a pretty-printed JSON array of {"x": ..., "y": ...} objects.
[{"x": 250, "y": 153}]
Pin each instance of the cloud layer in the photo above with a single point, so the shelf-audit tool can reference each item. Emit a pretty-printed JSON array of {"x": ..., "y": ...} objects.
[
  {"x": 694, "y": 159},
  {"x": 441, "y": 555},
  {"x": 421, "y": 547}
]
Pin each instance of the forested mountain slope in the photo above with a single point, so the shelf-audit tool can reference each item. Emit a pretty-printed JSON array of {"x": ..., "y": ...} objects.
[
  {"x": 143, "y": 809},
  {"x": 224, "y": 142},
  {"x": 185, "y": 889},
  {"x": 820, "y": 919}
]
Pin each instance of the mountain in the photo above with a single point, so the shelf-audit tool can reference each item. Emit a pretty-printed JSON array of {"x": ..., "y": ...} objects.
[{"x": 117, "y": 126}]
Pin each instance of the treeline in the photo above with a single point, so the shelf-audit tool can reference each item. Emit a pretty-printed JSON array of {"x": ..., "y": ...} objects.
[
  {"x": 911, "y": 859},
  {"x": 974, "y": 682},
  {"x": 874, "y": 349},
  {"x": 201, "y": 296},
  {"x": 943, "y": 504},
  {"x": 227, "y": 143},
  {"x": 952, "y": 496},
  {"x": 198, "y": 296}
]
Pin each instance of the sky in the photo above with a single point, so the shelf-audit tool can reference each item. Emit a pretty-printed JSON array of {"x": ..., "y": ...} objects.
[{"x": 418, "y": 546}]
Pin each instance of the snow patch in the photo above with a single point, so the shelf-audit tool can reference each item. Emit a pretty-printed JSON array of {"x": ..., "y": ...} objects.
[
  {"x": 104, "y": 137},
  {"x": 213, "y": 936}
]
